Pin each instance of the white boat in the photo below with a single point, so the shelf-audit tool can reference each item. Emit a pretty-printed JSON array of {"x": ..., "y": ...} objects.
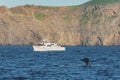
[{"x": 47, "y": 46}]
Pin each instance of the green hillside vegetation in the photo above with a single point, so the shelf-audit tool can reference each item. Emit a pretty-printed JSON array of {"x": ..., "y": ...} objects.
[
  {"x": 67, "y": 18},
  {"x": 102, "y": 2},
  {"x": 39, "y": 16}
]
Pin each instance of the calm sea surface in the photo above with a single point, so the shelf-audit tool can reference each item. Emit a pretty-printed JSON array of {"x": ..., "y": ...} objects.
[{"x": 22, "y": 63}]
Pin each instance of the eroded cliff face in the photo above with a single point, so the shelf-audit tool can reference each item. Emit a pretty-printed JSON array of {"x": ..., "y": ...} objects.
[
  {"x": 102, "y": 22},
  {"x": 80, "y": 25}
]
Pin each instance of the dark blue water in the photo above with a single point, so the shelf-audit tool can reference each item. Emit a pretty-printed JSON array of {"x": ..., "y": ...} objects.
[{"x": 22, "y": 63}]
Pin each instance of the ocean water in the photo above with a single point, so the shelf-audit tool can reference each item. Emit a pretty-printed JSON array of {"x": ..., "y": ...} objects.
[{"x": 22, "y": 63}]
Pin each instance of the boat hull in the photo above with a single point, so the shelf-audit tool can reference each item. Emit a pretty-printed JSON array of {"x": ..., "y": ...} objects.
[{"x": 43, "y": 48}]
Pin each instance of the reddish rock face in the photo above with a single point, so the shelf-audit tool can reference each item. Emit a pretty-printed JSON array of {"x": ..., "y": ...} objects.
[
  {"x": 113, "y": 39},
  {"x": 80, "y": 25}
]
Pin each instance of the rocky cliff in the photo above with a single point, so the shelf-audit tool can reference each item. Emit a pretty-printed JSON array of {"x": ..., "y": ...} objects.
[{"x": 88, "y": 24}]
